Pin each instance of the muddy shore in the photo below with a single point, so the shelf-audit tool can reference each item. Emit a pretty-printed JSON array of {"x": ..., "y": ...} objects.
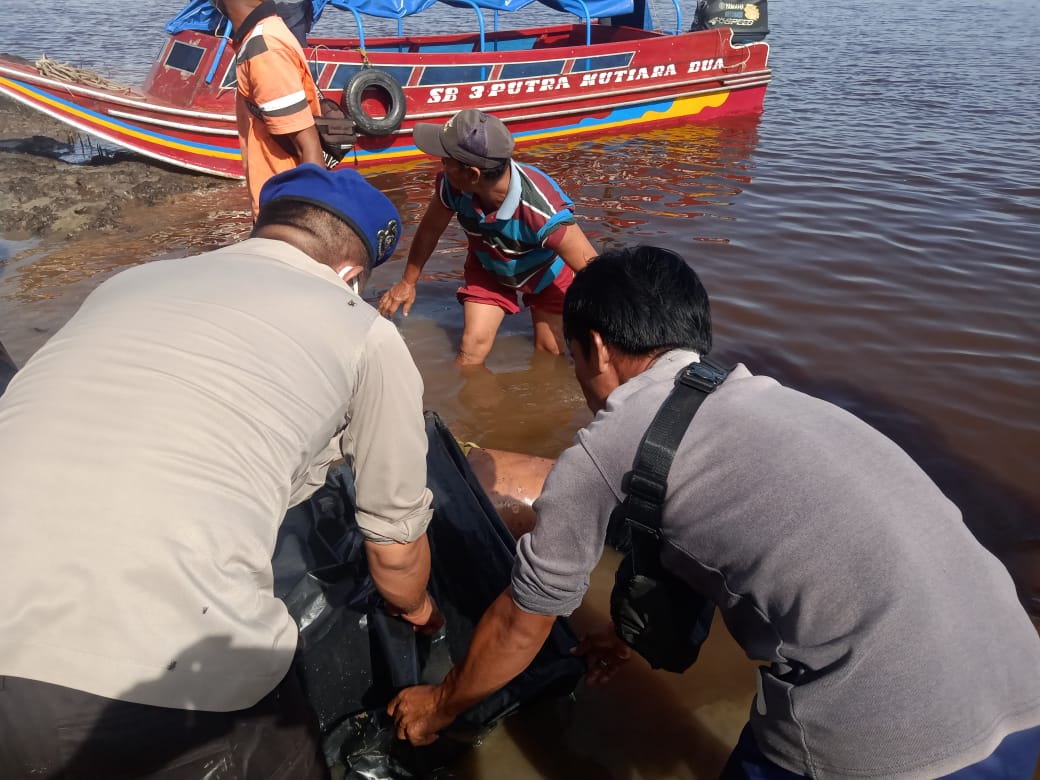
[{"x": 56, "y": 183}]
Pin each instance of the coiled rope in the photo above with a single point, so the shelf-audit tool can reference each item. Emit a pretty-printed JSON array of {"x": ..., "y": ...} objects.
[{"x": 63, "y": 71}]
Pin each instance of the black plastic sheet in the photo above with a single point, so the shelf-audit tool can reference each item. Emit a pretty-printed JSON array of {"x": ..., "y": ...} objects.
[{"x": 354, "y": 657}]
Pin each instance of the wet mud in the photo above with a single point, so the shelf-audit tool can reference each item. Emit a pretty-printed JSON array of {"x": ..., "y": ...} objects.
[{"x": 57, "y": 183}]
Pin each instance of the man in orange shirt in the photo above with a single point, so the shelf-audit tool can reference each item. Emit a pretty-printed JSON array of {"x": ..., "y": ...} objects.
[{"x": 277, "y": 99}]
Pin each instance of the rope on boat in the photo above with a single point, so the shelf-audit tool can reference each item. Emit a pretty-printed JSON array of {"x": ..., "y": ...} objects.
[
  {"x": 321, "y": 46},
  {"x": 743, "y": 63},
  {"x": 63, "y": 71}
]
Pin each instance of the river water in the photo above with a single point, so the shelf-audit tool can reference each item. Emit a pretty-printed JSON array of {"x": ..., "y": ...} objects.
[{"x": 873, "y": 238}]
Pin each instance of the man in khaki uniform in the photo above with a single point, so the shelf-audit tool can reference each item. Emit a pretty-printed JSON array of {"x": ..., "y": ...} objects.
[{"x": 150, "y": 450}]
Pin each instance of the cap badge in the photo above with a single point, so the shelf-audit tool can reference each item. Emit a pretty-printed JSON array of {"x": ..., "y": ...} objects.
[{"x": 386, "y": 238}]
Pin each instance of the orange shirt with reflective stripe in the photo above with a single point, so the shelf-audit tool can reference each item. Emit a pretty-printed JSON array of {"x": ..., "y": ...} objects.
[{"x": 276, "y": 95}]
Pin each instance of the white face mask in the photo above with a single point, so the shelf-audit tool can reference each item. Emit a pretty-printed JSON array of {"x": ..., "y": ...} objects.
[{"x": 353, "y": 283}]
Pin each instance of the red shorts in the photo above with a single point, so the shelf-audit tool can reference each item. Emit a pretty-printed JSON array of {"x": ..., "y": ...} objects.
[{"x": 482, "y": 286}]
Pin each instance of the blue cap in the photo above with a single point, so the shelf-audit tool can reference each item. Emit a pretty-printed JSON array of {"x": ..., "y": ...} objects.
[{"x": 346, "y": 194}]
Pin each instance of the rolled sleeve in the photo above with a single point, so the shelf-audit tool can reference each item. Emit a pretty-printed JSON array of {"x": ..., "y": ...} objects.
[
  {"x": 551, "y": 234},
  {"x": 555, "y": 560},
  {"x": 385, "y": 441}
]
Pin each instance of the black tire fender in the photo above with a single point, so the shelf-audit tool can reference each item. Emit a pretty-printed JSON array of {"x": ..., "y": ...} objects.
[{"x": 367, "y": 79}]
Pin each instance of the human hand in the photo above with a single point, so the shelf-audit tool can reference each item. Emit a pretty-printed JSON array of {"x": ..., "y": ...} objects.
[
  {"x": 419, "y": 713},
  {"x": 604, "y": 654},
  {"x": 427, "y": 620},
  {"x": 401, "y": 294}
]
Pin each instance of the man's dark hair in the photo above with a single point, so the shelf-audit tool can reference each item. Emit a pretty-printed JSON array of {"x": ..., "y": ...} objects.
[
  {"x": 491, "y": 175},
  {"x": 641, "y": 300},
  {"x": 336, "y": 240}
]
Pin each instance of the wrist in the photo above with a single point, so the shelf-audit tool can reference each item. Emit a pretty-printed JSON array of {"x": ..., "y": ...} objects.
[
  {"x": 446, "y": 694},
  {"x": 420, "y": 614}
]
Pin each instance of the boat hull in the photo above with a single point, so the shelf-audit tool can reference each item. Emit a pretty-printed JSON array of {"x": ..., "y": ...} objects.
[{"x": 566, "y": 88}]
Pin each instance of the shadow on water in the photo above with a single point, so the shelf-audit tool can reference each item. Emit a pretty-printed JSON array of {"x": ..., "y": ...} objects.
[
  {"x": 74, "y": 148},
  {"x": 682, "y": 745},
  {"x": 644, "y": 723}
]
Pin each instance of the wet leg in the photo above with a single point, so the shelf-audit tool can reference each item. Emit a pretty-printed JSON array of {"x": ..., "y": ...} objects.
[
  {"x": 548, "y": 331},
  {"x": 481, "y": 322}
]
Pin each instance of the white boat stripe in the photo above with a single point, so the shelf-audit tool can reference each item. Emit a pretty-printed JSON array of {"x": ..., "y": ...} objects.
[{"x": 149, "y": 120}]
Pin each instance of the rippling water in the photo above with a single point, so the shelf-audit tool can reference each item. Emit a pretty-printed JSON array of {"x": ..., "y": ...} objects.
[{"x": 873, "y": 238}]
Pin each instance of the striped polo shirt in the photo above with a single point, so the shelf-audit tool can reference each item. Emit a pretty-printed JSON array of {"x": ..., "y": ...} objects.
[
  {"x": 522, "y": 237},
  {"x": 276, "y": 95}
]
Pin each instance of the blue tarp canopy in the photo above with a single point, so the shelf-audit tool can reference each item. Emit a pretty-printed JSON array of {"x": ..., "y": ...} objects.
[
  {"x": 384, "y": 9},
  {"x": 196, "y": 15},
  {"x": 201, "y": 15}
]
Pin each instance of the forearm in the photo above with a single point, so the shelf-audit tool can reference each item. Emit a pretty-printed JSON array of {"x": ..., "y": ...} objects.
[
  {"x": 418, "y": 253},
  {"x": 431, "y": 227},
  {"x": 307, "y": 144},
  {"x": 401, "y": 573},
  {"x": 505, "y": 642},
  {"x": 575, "y": 248}
]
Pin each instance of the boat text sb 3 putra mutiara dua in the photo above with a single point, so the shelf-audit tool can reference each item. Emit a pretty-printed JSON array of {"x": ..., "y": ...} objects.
[{"x": 611, "y": 70}]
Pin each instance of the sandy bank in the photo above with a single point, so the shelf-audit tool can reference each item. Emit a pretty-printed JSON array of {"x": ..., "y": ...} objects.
[{"x": 43, "y": 195}]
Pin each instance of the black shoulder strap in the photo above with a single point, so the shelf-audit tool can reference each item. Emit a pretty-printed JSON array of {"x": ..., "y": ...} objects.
[{"x": 647, "y": 482}]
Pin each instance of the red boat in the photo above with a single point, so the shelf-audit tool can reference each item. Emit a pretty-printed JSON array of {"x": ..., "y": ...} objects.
[{"x": 611, "y": 70}]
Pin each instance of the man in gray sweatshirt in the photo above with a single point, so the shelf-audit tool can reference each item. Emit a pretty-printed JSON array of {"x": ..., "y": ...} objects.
[{"x": 892, "y": 643}]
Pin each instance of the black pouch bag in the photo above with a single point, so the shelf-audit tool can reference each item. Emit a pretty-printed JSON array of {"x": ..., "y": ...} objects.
[
  {"x": 654, "y": 612},
  {"x": 657, "y": 614},
  {"x": 336, "y": 131}
]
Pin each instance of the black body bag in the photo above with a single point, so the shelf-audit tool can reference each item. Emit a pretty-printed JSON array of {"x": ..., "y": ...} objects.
[
  {"x": 353, "y": 657},
  {"x": 655, "y": 613}
]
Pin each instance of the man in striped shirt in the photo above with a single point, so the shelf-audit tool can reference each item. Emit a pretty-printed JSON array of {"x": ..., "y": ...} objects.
[
  {"x": 277, "y": 99},
  {"x": 524, "y": 245}
]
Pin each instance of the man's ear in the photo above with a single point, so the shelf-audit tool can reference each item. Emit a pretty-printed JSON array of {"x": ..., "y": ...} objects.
[
  {"x": 353, "y": 273},
  {"x": 600, "y": 356}
]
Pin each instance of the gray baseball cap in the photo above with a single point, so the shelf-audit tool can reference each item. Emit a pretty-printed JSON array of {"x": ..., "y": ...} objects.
[{"x": 470, "y": 136}]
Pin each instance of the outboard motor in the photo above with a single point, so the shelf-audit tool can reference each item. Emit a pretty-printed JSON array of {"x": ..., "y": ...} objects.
[
  {"x": 298, "y": 16},
  {"x": 748, "y": 19}
]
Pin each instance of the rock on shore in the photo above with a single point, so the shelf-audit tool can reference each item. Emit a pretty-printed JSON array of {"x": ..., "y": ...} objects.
[{"x": 42, "y": 195}]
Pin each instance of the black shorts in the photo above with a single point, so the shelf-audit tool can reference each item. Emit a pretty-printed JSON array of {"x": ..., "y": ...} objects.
[{"x": 64, "y": 734}]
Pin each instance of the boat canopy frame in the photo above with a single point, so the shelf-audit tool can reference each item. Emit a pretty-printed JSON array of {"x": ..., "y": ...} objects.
[{"x": 201, "y": 15}]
